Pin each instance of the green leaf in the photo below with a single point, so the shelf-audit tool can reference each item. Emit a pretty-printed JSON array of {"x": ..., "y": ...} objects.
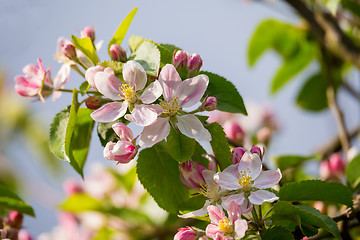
[
  {"x": 86, "y": 46},
  {"x": 121, "y": 31},
  {"x": 81, "y": 203},
  {"x": 312, "y": 95},
  {"x": 158, "y": 172},
  {"x": 57, "y": 134},
  {"x": 197, "y": 155},
  {"x": 276, "y": 233},
  {"x": 84, "y": 87},
  {"x": 114, "y": 65},
  {"x": 353, "y": 172},
  {"x": 220, "y": 145},
  {"x": 351, "y": 5},
  {"x": 228, "y": 98},
  {"x": 148, "y": 55},
  {"x": 332, "y": 5},
  {"x": 287, "y": 161},
  {"x": 309, "y": 216},
  {"x": 316, "y": 190},
  {"x": 10, "y": 200},
  {"x": 180, "y": 147}
]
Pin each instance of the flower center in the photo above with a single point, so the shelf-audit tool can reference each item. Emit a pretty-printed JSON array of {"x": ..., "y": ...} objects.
[
  {"x": 171, "y": 106},
  {"x": 210, "y": 191},
  {"x": 128, "y": 91},
  {"x": 245, "y": 180},
  {"x": 225, "y": 226}
]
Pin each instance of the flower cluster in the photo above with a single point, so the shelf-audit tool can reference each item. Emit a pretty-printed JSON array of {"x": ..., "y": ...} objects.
[{"x": 10, "y": 227}]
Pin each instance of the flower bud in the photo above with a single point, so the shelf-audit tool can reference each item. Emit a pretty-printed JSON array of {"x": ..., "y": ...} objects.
[
  {"x": 72, "y": 187},
  {"x": 191, "y": 174},
  {"x": 324, "y": 170},
  {"x": 185, "y": 234},
  {"x": 257, "y": 150},
  {"x": 209, "y": 103},
  {"x": 90, "y": 74},
  {"x": 237, "y": 154},
  {"x": 24, "y": 235},
  {"x": 336, "y": 164},
  {"x": 88, "y": 32},
  {"x": 180, "y": 59},
  {"x": 194, "y": 64},
  {"x": 264, "y": 135},
  {"x": 123, "y": 131},
  {"x": 15, "y": 219},
  {"x": 117, "y": 53},
  {"x": 95, "y": 102},
  {"x": 234, "y": 132},
  {"x": 69, "y": 51},
  {"x": 122, "y": 151}
]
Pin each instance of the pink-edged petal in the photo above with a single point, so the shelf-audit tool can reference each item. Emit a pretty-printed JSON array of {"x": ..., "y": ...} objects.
[
  {"x": 123, "y": 131},
  {"x": 143, "y": 115},
  {"x": 261, "y": 196},
  {"x": 234, "y": 212},
  {"x": 267, "y": 179},
  {"x": 212, "y": 230},
  {"x": 208, "y": 176},
  {"x": 25, "y": 88},
  {"x": 56, "y": 95},
  {"x": 191, "y": 90},
  {"x": 215, "y": 214},
  {"x": 62, "y": 76},
  {"x": 238, "y": 198},
  {"x": 241, "y": 227},
  {"x": 122, "y": 151},
  {"x": 134, "y": 74},
  {"x": 169, "y": 79},
  {"x": 151, "y": 93},
  {"x": 155, "y": 132},
  {"x": 227, "y": 181},
  {"x": 110, "y": 112},
  {"x": 198, "y": 213},
  {"x": 251, "y": 164},
  {"x": 190, "y": 126},
  {"x": 108, "y": 85},
  {"x": 232, "y": 169},
  {"x": 90, "y": 74},
  {"x": 31, "y": 69}
]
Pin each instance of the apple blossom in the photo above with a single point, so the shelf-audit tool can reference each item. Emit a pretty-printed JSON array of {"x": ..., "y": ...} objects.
[
  {"x": 180, "y": 59},
  {"x": 194, "y": 64},
  {"x": 88, "y": 32},
  {"x": 117, "y": 53},
  {"x": 185, "y": 234},
  {"x": 191, "y": 174}
]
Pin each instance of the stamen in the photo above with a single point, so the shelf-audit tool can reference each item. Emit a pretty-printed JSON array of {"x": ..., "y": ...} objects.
[
  {"x": 245, "y": 180},
  {"x": 225, "y": 226},
  {"x": 128, "y": 91},
  {"x": 171, "y": 106}
]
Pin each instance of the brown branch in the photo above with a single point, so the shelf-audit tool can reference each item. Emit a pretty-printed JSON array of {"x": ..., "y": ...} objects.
[{"x": 351, "y": 90}]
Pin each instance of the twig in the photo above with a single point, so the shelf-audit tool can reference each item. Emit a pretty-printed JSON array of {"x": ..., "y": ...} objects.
[{"x": 351, "y": 90}]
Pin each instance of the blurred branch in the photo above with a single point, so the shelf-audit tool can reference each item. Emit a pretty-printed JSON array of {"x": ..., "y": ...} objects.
[{"x": 351, "y": 90}]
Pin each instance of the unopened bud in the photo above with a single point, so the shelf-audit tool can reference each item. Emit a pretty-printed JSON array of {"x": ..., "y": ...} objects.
[
  {"x": 180, "y": 59},
  {"x": 88, "y": 32},
  {"x": 194, "y": 64},
  {"x": 237, "y": 154},
  {"x": 264, "y": 135},
  {"x": 90, "y": 74},
  {"x": 15, "y": 219},
  {"x": 71, "y": 187},
  {"x": 122, "y": 151},
  {"x": 191, "y": 174},
  {"x": 24, "y": 235},
  {"x": 337, "y": 164},
  {"x": 324, "y": 170},
  {"x": 257, "y": 150},
  {"x": 209, "y": 103},
  {"x": 69, "y": 51},
  {"x": 95, "y": 102},
  {"x": 123, "y": 131},
  {"x": 117, "y": 53},
  {"x": 185, "y": 234},
  {"x": 234, "y": 132}
]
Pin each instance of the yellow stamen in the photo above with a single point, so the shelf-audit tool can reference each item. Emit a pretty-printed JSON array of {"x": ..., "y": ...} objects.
[
  {"x": 210, "y": 191},
  {"x": 245, "y": 180},
  {"x": 225, "y": 226},
  {"x": 171, "y": 106},
  {"x": 128, "y": 92}
]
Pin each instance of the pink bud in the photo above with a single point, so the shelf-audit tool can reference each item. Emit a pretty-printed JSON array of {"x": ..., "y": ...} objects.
[
  {"x": 185, "y": 234},
  {"x": 180, "y": 59},
  {"x": 257, "y": 150},
  {"x": 90, "y": 74},
  {"x": 24, "y": 235},
  {"x": 237, "y": 154},
  {"x": 191, "y": 174},
  {"x": 15, "y": 219},
  {"x": 194, "y": 64},
  {"x": 122, "y": 151},
  {"x": 337, "y": 164},
  {"x": 210, "y": 103},
  {"x": 234, "y": 131},
  {"x": 324, "y": 170},
  {"x": 88, "y": 32},
  {"x": 117, "y": 53},
  {"x": 123, "y": 131},
  {"x": 95, "y": 102},
  {"x": 264, "y": 135},
  {"x": 71, "y": 187},
  {"x": 69, "y": 51}
]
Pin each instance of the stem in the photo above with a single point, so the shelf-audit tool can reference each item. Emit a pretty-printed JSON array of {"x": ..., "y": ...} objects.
[
  {"x": 82, "y": 65},
  {"x": 268, "y": 211},
  {"x": 76, "y": 69},
  {"x": 69, "y": 90},
  {"x": 255, "y": 216},
  {"x": 351, "y": 90}
]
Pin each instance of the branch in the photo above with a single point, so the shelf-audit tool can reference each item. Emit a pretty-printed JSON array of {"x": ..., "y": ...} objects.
[{"x": 351, "y": 90}]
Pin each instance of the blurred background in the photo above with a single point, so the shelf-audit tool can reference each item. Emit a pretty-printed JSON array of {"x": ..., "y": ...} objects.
[{"x": 218, "y": 30}]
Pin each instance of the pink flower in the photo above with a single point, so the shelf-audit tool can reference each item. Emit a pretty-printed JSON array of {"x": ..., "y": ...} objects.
[
  {"x": 123, "y": 151},
  {"x": 185, "y": 234},
  {"x": 177, "y": 94},
  {"x": 248, "y": 177},
  {"x": 224, "y": 228},
  {"x": 24, "y": 235},
  {"x": 90, "y": 74},
  {"x": 125, "y": 95}
]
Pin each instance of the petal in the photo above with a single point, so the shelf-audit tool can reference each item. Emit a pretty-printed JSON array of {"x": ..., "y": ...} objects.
[
  {"x": 191, "y": 90},
  {"x": 250, "y": 163},
  {"x": 90, "y": 74},
  {"x": 155, "y": 132},
  {"x": 208, "y": 176},
  {"x": 240, "y": 228},
  {"x": 238, "y": 198},
  {"x": 212, "y": 230},
  {"x": 261, "y": 196},
  {"x": 234, "y": 212},
  {"x": 227, "y": 181},
  {"x": 108, "y": 85},
  {"x": 215, "y": 214},
  {"x": 169, "y": 79},
  {"x": 191, "y": 127},
  {"x": 134, "y": 74},
  {"x": 30, "y": 69},
  {"x": 143, "y": 115},
  {"x": 151, "y": 93},
  {"x": 110, "y": 112},
  {"x": 123, "y": 131},
  {"x": 267, "y": 179},
  {"x": 26, "y": 88},
  {"x": 122, "y": 151},
  {"x": 198, "y": 213},
  {"x": 62, "y": 76}
]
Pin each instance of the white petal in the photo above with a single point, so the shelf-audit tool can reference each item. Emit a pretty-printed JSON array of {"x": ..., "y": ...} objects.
[
  {"x": 227, "y": 181},
  {"x": 110, "y": 112},
  {"x": 143, "y": 115},
  {"x": 238, "y": 198},
  {"x": 250, "y": 163},
  {"x": 134, "y": 74},
  {"x": 261, "y": 196},
  {"x": 240, "y": 228},
  {"x": 191, "y": 127},
  {"x": 191, "y": 90},
  {"x": 267, "y": 179},
  {"x": 151, "y": 93},
  {"x": 155, "y": 132},
  {"x": 208, "y": 176},
  {"x": 198, "y": 213},
  {"x": 108, "y": 85},
  {"x": 62, "y": 76},
  {"x": 169, "y": 79}
]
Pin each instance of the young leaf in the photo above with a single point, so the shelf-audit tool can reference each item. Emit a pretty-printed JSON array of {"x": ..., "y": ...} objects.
[
  {"x": 159, "y": 173},
  {"x": 10, "y": 200},
  {"x": 57, "y": 134},
  {"x": 180, "y": 147},
  {"x": 84, "y": 87},
  {"x": 353, "y": 172},
  {"x": 81, "y": 203},
  {"x": 86, "y": 46},
  {"x": 316, "y": 190},
  {"x": 148, "y": 55},
  {"x": 114, "y": 65},
  {"x": 312, "y": 95},
  {"x": 197, "y": 155},
  {"x": 121, "y": 31},
  {"x": 228, "y": 98},
  {"x": 287, "y": 161},
  {"x": 219, "y": 145},
  {"x": 276, "y": 233}
]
